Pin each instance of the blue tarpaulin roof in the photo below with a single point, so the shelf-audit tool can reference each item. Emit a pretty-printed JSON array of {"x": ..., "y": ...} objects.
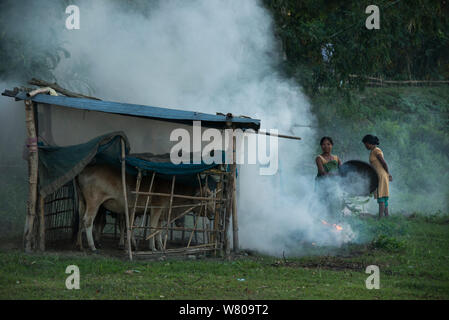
[
  {"x": 136, "y": 110},
  {"x": 59, "y": 165}
]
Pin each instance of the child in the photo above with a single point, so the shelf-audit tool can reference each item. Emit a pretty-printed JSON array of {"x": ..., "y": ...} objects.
[
  {"x": 376, "y": 158},
  {"x": 327, "y": 165}
]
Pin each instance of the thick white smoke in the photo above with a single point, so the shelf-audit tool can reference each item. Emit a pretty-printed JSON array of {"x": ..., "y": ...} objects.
[
  {"x": 209, "y": 56},
  {"x": 212, "y": 56}
]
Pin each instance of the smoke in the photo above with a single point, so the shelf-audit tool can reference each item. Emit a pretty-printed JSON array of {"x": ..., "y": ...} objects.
[
  {"x": 13, "y": 182},
  {"x": 213, "y": 56},
  {"x": 209, "y": 56}
]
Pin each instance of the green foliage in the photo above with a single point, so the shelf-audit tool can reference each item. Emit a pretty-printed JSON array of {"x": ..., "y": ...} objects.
[
  {"x": 386, "y": 243},
  {"x": 410, "y": 44},
  {"x": 369, "y": 229},
  {"x": 438, "y": 217}
]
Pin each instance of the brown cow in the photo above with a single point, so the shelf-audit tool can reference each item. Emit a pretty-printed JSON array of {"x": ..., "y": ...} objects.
[
  {"x": 102, "y": 185},
  {"x": 100, "y": 224}
]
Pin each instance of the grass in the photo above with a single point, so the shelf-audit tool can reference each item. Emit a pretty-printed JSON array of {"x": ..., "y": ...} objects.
[{"x": 412, "y": 254}]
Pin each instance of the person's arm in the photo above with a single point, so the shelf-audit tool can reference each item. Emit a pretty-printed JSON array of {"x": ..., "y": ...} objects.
[
  {"x": 339, "y": 162},
  {"x": 319, "y": 164},
  {"x": 384, "y": 164}
]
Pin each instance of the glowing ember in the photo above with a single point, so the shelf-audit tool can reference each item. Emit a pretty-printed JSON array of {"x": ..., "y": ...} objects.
[{"x": 335, "y": 226}]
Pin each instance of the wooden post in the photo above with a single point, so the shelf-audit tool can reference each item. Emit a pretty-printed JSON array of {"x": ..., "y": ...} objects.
[
  {"x": 33, "y": 161},
  {"x": 205, "y": 210},
  {"x": 170, "y": 209},
  {"x": 205, "y": 207},
  {"x": 235, "y": 225},
  {"x": 128, "y": 228},
  {"x": 133, "y": 213},
  {"x": 219, "y": 219},
  {"x": 194, "y": 229},
  {"x": 145, "y": 218},
  {"x": 227, "y": 247},
  {"x": 41, "y": 223}
]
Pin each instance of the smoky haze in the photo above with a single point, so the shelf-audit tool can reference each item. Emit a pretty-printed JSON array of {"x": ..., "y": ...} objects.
[{"x": 208, "y": 56}]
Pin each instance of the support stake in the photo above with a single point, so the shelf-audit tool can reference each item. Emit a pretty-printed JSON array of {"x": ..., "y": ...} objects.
[
  {"x": 128, "y": 228},
  {"x": 33, "y": 160}
]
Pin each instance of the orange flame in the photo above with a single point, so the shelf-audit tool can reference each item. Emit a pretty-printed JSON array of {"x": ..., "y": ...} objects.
[{"x": 335, "y": 226}]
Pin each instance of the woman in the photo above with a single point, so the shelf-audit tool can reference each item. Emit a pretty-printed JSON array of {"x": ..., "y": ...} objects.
[
  {"x": 327, "y": 165},
  {"x": 376, "y": 158}
]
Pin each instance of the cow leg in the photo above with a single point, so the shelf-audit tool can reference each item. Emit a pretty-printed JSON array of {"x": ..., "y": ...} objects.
[
  {"x": 159, "y": 238},
  {"x": 154, "y": 222},
  {"x": 122, "y": 227},
  {"x": 133, "y": 239},
  {"x": 89, "y": 217},
  {"x": 99, "y": 224},
  {"x": 136, "y": 223}
]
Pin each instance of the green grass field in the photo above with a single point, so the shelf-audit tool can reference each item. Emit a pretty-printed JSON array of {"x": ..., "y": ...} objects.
[{"x": 412, "y": 254}]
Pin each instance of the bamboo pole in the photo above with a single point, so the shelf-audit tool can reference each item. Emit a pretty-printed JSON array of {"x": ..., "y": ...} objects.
[
  {"x": 56, "y": 87},
  {"x": 219, "y": 219},
  {"x": 276, "y": 135},
  {"x": 227, "y": 216},
  {"x": 147, "y": 202},
  {"x": 162, "y": 207},
  {"x": 173, "y": 220},
  {"x": 235, "y": 225},
  {"x": 175, "y": 195},
  {"x": 33, "y": 160},
  {"x": 205, "y": 207},
  {"x": 191, "y": 249},
  {"x": 176, "y": 229},
  {"x": 169, "y": 209},
  {"x": 193, "y": 231},
  {"x": 133, "y": 213},
  {"x": 41, "y": 223},
  {"x": 205, "y": 211},
  {"x": 380, "y": 81},
  {"x": 128, "y": 229}
]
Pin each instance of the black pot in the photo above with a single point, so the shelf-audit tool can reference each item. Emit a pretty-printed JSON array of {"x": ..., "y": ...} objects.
[{"x": 358, "y": 178}]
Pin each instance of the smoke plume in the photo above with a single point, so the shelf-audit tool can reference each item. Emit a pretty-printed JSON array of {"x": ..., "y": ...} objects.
[{"x": 209, "y": 56}]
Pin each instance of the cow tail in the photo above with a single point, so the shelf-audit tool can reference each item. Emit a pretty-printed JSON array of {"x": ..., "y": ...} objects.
[{"x": 79, "y": 203}]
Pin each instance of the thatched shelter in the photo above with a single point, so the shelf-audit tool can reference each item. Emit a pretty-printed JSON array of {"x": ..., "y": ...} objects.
[{"x": 65, "y": 134}]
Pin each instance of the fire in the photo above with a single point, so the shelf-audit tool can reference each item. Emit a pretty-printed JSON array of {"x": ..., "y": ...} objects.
[{"x": 335, "y": 226}]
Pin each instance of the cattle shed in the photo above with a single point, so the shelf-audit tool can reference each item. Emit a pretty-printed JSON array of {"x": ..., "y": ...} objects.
[{"x": 66, "y": 134}]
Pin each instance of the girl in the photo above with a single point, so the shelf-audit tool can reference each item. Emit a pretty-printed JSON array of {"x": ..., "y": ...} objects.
[
  {"x": 376, "y": 158},
  {"x": 327, "y": 165}
]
